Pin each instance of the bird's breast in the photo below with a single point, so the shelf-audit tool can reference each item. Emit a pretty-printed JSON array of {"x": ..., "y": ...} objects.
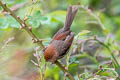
[{"x": 49, "y": 52}]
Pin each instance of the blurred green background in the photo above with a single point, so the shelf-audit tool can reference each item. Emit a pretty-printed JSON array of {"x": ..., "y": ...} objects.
[{"x": 95, "y": 18}]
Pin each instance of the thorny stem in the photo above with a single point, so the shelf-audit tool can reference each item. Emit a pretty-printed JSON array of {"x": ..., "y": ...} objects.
[
  {"x": 64, "y": 70},
  {"x": 22, "y": 23},
  {"x": 26, "y": 27}
]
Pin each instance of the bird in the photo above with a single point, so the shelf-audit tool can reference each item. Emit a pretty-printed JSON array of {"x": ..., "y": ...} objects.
[{"x": 63, "y": 39}]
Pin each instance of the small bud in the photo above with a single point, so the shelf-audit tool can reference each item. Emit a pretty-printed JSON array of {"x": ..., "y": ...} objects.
[
  {"x": 30, "y": 28},
  {"x": 100, "y": 67},
  {"x": 18, "y": 17},
  {"x": 40, "y": 40},
  {"x": 23, "y": 25},
  {"x": 66, "y": 68},
  {"x": 25, "y": 18},
  {"x": 66, "y": 74},
  {"x": 4, "y": 3},
  {"x": 35, "y": 40}
]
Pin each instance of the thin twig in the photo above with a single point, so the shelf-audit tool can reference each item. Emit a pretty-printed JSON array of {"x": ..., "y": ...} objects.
[
  {"x": 29, "y": 30},
  {"x": 38, "y": 63},
  {"x": 6, "y": 43}
]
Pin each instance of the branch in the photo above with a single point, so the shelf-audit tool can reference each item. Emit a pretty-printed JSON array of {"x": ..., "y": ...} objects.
[
  {"x": 64, "y": 70},
  {"x": 6, "y": 43},
  {"x": 29, "y": 31},
  {"x": 22, "y": 23}
]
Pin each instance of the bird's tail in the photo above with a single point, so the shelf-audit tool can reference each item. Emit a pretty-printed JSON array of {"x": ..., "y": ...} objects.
[{"x": 71, "y": 12}]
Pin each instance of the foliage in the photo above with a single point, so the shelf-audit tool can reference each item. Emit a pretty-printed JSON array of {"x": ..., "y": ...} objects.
[{"x": 94, "y": 54}]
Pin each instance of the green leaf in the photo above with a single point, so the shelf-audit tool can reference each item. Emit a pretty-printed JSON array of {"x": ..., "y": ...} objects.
[
  {"x": 36, "y": 19},
  {"x": 38, "y": 12},
  {"x": 12, "y": 22},
  {"x": 3, "y": 23},
  {"x": 84, "y": 32},
  {"x": 74, "y": 60},
  {"x": 43, "y": 18}
]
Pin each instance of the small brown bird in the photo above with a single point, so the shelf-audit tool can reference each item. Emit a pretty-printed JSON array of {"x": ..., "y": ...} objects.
[{"x": 62, "y": 40}]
